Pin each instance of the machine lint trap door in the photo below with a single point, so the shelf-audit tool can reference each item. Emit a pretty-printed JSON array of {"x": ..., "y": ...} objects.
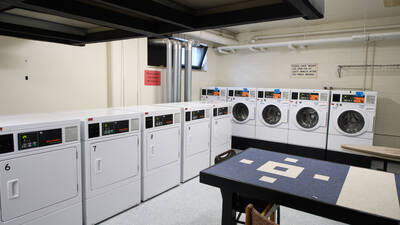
[
  {"x": 222, "y": 128},
  {"x": 197, "y": 137},
  {"x": 114, "y": 160},
  {"x": 162, "y": 148},
  {"x": 37, "y": 181}
]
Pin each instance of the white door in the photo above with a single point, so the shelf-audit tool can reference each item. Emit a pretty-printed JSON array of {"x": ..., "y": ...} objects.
[
  {"x": 222, "y": 131},
  {"x": 163, "y": 147},
  {"x": 30, "y": 183},
  {"x": 114, "y": 160},
  {"x": 197, "y": 138}
]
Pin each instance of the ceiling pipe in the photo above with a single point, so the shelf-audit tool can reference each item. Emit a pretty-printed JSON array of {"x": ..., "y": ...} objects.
[
  {"x": 188, "y": 71},
  {"x": 313, "y": 33},
  {"x": 292, "y": 44},
  {"x": 211, "y": 37}
]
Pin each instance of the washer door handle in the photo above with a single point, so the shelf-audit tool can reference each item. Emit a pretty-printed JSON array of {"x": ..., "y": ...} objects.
[
  {"x": 13, "y": 189},
  {"x": 99, "y": 166}
]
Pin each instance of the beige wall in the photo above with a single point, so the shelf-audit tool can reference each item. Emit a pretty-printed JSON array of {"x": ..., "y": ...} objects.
[
  {"x": 127, "y": 62},
  {"x": 272, "y": 69},
  {"x": 61, "y": 77}
]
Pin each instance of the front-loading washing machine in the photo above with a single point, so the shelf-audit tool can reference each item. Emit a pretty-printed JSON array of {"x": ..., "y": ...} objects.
[
  {"x": 308, "y": 118},
  {"x": 352, "y": 118},
  {"x": 161, "y": 148},
  {"x": 110, "y": 161},
  {"x": 40, "y": 177},
  {"x": 272, "y": 114},
  {"x": 196, "y": 137},
  {"x": 244, "y": 103},
  {"x": 211, "y": 94}
]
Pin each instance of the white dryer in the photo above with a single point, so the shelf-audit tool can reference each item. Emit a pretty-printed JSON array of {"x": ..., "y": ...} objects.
[
  {"x": 161, "y": 148},
  {"x": 111, "y": 162},
  {"x": 196, "y": 137},
  {"x": 352, "y": 118},
  {"x": 221, "y": 129},
  {"x": 40, "y": 176},
  {"x": 244, "y": 103},
  {"x": 308, "y": 118},
  {"x": 211, "y": 94},
  {"x": 272, "y": 114}
]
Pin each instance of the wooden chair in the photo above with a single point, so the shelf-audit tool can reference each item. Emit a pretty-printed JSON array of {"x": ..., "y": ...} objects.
[
  {"x": 253, "y": 217},
  {"x": 240, "y": 202}
]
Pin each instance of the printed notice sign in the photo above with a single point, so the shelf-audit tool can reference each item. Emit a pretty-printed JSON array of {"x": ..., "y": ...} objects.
[
  {"x": 152, "y": 78},
  {"x": 309, "y": 70}
]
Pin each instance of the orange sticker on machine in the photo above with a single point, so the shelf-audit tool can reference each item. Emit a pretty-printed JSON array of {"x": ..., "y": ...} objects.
[
  {"x": 277, "y": 95},
  {"x": 314, "y": 97},
  {"x": 358, "y": 100},
  {"x": 216, "y": 93},
  {"x": 245, "y": 94}
]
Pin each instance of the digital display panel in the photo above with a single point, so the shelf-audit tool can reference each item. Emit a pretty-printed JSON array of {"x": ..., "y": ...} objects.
[
  {"x": 115, "y": 127},
  {"x": 222, "y": 111},
  {"x": 309, "y": 96},
  {"x": 199, "y": 114},
  {"x": 352, "y": 99},
  {"x": 210, "y": 92},
  {"x": 39, "y": 138},
  {"x": 163, "y": 120}
]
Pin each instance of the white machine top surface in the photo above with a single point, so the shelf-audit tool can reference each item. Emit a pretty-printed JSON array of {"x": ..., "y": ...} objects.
[
  {"x": 215, "y": 103},
  {"x": 187, "y": 104},
  {"x": 148, "y": 108},
  {"x": 39, "y": 118},
  {"x": 84, "y": 114}
]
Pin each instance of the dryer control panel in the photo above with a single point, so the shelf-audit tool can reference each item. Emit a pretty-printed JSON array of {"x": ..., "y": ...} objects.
[
  {"x": 220, "y": 111},
  {"x": 39, "y": 138}
]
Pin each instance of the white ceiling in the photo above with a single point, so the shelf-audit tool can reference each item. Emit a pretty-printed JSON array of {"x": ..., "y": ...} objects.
[{"x": 335, "y": 11}]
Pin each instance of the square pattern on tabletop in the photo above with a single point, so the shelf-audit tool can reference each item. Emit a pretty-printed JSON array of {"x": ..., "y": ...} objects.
[{"x": 277, "y": 168}]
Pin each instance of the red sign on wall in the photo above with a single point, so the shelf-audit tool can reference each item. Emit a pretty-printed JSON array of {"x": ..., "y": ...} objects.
[{"x": 152, "y": 78}]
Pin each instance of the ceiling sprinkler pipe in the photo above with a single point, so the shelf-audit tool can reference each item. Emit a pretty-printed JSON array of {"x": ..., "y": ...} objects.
[{"x": 354, "y": 38}]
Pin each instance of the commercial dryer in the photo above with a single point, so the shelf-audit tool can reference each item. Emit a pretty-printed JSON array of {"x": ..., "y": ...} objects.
[
  {"x": 111, "y": 161},
  {"x": 40, "y": 170},
  {"x": 196, "y": 137},
  {"x": 161, "y": 148},
  {"x": 211, "y": 94},
  {"x": 221, "y": 128}
]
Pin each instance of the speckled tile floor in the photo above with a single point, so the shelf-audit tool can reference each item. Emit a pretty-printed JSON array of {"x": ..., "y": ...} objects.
[{"x": 193, "y": 203}]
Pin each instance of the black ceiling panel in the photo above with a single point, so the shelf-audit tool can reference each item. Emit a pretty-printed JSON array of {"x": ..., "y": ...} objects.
[{"x": 79, "y": 22}]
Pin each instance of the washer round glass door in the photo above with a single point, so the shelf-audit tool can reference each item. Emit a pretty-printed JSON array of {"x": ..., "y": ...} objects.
[
  {"x": 240, "y": 112},
  {"x": 351, "y": 121},
  {"x": 307, "y": 117},
  {"x": 271, "y": 114}
]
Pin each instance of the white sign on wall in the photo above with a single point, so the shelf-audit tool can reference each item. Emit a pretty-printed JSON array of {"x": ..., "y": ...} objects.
[{"x": 307, "y": 70}]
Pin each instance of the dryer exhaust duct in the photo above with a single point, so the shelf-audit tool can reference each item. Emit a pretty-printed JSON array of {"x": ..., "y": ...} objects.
[
  {"x": 168, "y": 45},
  {"x": 188, "y": 70}
]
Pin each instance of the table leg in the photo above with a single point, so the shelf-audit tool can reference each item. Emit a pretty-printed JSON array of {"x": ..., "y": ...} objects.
[{"x": 228, "y": 214}]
